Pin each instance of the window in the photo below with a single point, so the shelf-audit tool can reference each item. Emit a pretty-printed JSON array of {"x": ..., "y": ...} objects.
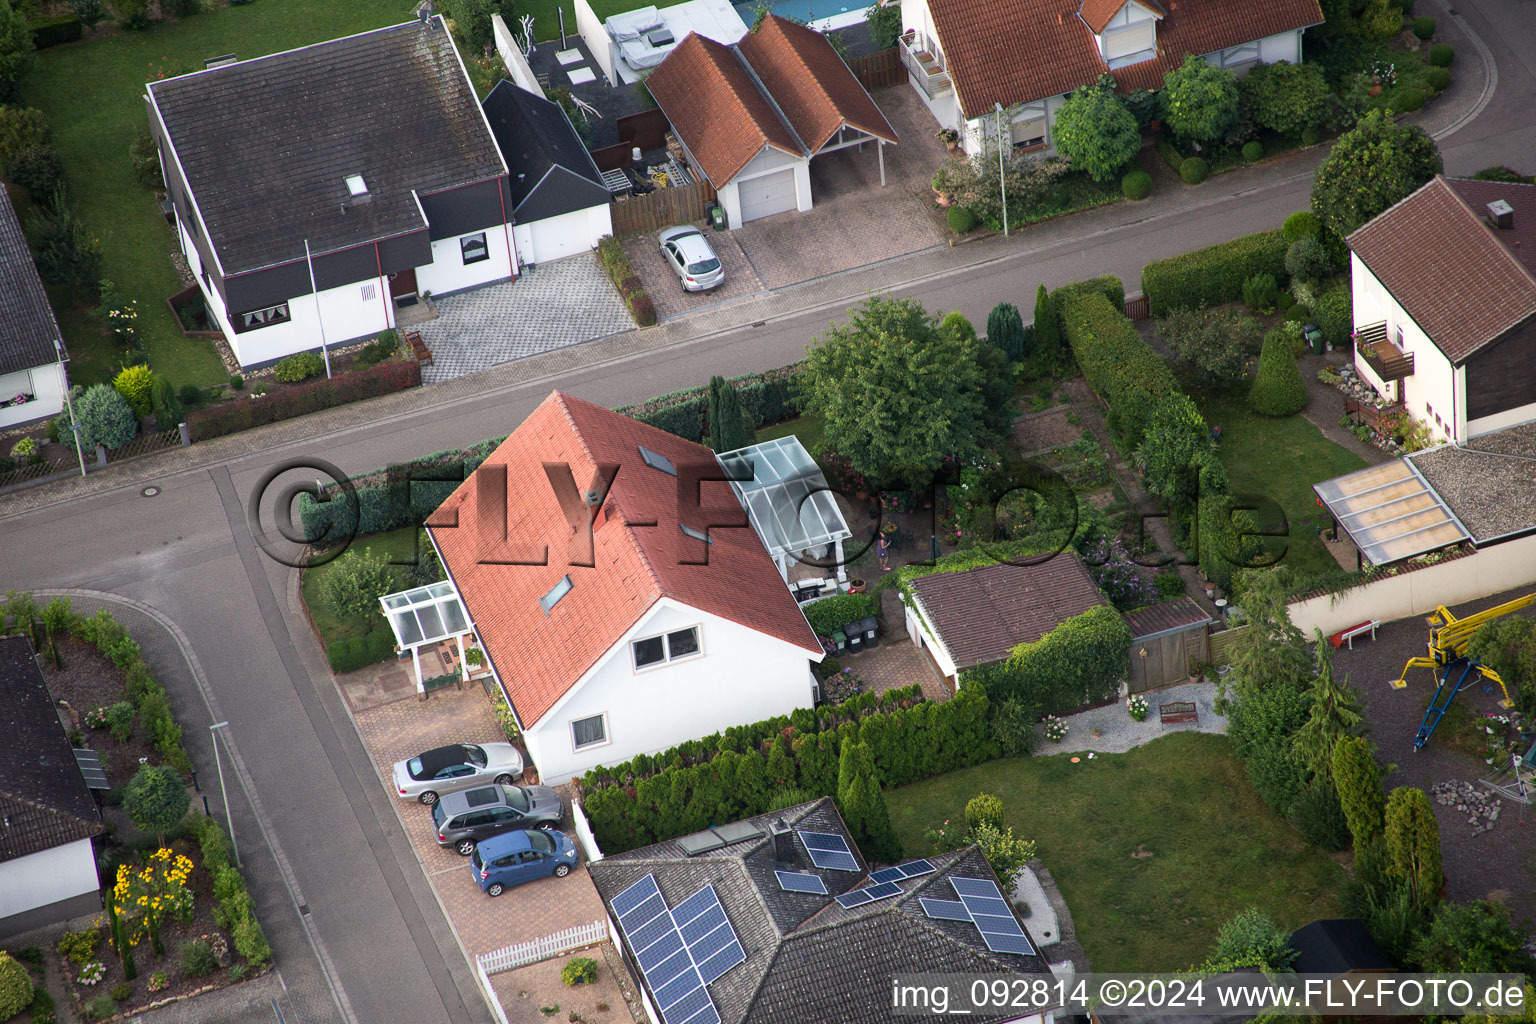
[
  {"x": 474, "y": 249},
  {"x": 654, "y": 650},
  {"x": 697, "y": 534},
  {"x": 1028, "y": 128},
  {"x": 589, "y": 732},
  {"x": 656, "y": 461},
  {"x": 1399, "y": 336},
  {"x": 259, "y": 318},
  {"x": 556, "y": 592}
]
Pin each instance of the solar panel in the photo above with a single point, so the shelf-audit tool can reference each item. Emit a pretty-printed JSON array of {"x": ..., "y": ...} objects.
[
  {"x": 664, "y": 958},
  {"x": 992, "y": 915},
  {"x": 700, "y": 842},
  {"x": 901, "y": 872},
  {"x": 945, "y": 910},
  {"x": 794, "y": 881},
  {"x": 859, "y": 897},
  {"x": 89, "y": 763},
  {"x": 828, "y": 851},
  {"x": 711, "y": 941},
  {"x": 736, "y": 831},
  {"x": 887, "y": 875}
]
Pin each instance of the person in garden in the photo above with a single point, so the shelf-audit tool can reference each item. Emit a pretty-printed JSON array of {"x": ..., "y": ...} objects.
[{"x": 883, "y": 552}]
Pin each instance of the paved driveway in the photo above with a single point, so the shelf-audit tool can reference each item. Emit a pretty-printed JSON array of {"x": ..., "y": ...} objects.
[
  {"x": 559, "y": 304},
  {"x": 661, "y": 283}
]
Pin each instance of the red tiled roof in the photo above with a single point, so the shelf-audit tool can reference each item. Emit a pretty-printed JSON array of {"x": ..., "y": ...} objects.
[
  {"x": 1161, "y": 618},
  {"x": 1099, "y": 13},
  {"x": 716, "y": 108},
  {"x": 538, "y": 657},
  {"x": 810, "y": 83},
  {"x": 1459, "y": 279},
  {"x": 982, "y": 614},
  {"x": 1018, "y": 51}
]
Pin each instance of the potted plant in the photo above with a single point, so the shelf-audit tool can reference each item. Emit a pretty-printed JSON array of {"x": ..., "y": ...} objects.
[
  {"x": 949, "y": 137},
  {"x": 473, "y": 657},
  {"x": 856, "y": 586}
]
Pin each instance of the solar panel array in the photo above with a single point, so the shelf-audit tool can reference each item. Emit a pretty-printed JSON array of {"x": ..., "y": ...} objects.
[
  {"x": 829, "y": 851},
  {"x": 795, "y": 881},
  {"x": 859, "y": 897},
  {"x": 90, "y": 767},
  {"x": 945, "y": 910},
  {"x": 680, "y": 950},
  {"x": 992, "y": 916},
  {"x": 902, "y": 872}
]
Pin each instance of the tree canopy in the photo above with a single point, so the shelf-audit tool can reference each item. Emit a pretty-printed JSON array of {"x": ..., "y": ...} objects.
[
  {"x": 156, "y": 799},
  {"x": 1287, "y": 98},
  {"x": 1095, "y": 131},
  {"x": 1370, "y": 168},
  {"x": 1202, "y": 100}
]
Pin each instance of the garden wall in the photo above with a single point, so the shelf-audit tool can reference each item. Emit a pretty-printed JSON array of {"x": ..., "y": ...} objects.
[{"x": 1418, "y": 590}]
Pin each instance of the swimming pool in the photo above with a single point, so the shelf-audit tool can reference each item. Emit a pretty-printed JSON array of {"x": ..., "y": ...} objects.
[{"x": 819, "y": 14}]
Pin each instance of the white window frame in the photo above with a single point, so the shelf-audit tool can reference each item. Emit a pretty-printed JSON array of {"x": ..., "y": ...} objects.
[
  {"x": 273, "y": 315},
  {"x": 1141, "y": 32},
  {"x": 606, "y": 741},
  {"x": 1029, "y": 114},
  {"x": 666, "y": 643},
  {"x": 1243, "y": 53},
  {"x": 485, "y": 249}
]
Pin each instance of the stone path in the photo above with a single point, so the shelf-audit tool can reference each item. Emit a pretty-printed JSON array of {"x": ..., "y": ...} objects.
[
  {"x": 558, "y": 305},
  {"x": 1119, "y": 732}
]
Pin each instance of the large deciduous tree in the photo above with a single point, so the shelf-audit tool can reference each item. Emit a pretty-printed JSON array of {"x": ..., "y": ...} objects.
[
  {"x": 1095, "y": 131},
  {"x": 1202, "y": 100},
  {"x": 1370, "y": 168}
]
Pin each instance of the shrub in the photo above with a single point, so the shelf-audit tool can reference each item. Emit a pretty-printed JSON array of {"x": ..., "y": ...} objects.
[
  {"x": 380, "y": 349},
  {"x": 353, "y": 653},
  {"x": 1079, "y": 662},
  {"x": 1278, "y": 389},
  {"x": 1286, "y": 98},
  {"x": 156, "y": 799},
  {"x": 299, "y": 366},
  {"x": 1194, "y": 169},
  {"x": 1301, "y": 224},
  {"x": 1013, "y": 726},
  {"x": 1118, "y": 364},
  {"x": 1441, "y": 55},
  {"x": 983, "y": 809},
  {"x": 1007, "y": 854},
  {"x": 1306, "y": 260},
  {"x": 1250, "y": 933},
  {"x": 1005, "y": 330},
  {"x": 386, "y": 378},
  {"x": 1217, "y": 344},
  {"x": 960, "y": 220},
  {"x": 631, "y": 286},
  {"x": 21, "y": 127},
  {"x": 63, "y": 28},
  {"x": 1213, "y": 275},
  {"x": 830, "y": 614},
  {"x": 354, "y": 583},
  {"x": 132, "y": 14},
  {"x": 100, "y": 1008},
  {"x": 1310, "y": 136},
  {"x": 1424, "y": 27},
  {"x": 185, "y": 8},
  {"x": 1319, "y": 818},
  {"x": 105, "y": 418},
  {"x": 250, "y": 943},
  {"x": 189, "y": 395},
  {"x": 144, "y": 157},
  {"x": 1202, "y": 101},
  {"x": 15, "y": 987},
  {"x": 1096, "y": 132},
  {"x": 197, "y": 958},
  {"x": 1169, "y": 584},
  {"x": 1260, "y": 292},
  {"x": 1438, "y": 79},
  {"x": 40, "y": 170},
  {"x": 580, "y": 970},
  {"x": 1412, "y": 844},
  {"x": 1408, "y": 99},
  {"x": 1333, "y": 313},
  {"x": 163, "y": 403},
  {"x": 134, "y": 383},
  {"x": 120, "y": 720},
  {"x": 120, "y": 992},
  {"x": 1253, "y": 151},
  {"x": 1136, "y": 185},
  {"x": 1361, "y": 798},
  {"x": 643, "y": 309},
  {"x": 1474, "y": 937}
]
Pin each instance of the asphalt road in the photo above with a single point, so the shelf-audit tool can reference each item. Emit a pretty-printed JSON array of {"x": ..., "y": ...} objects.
[{"x": 357, "y": 931}]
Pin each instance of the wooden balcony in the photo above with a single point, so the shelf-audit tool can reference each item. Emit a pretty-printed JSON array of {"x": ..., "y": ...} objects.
[
  {"x": 1385, "y": 359},
  {"x": 925, "y": 65}
]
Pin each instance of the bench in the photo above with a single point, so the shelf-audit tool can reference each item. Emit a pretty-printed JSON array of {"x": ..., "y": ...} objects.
[
  {"x": 419, "y": 348},
  {"x": 1347, "y": 636},
  {"x": 1178, "y": 711}
]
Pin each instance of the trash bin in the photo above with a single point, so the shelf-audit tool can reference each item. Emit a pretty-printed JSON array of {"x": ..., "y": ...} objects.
[
  {"x": 855, "y": 637},
  {"x": 840, "y": 641},
  {"x": 717, "y": 218},
  {"x": 871, "y": 628},
  {"x": 1314, "y": 336}
]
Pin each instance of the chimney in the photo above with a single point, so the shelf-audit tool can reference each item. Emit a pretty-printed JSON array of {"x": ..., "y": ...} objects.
[
  {"x": 1501, "y": 214},
  {"x": 783, "y": 843}
]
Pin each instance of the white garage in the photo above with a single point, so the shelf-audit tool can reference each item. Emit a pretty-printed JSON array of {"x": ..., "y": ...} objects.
[
  {"x": 763, "y": 197},
  {"x": 559, "y": 204}
]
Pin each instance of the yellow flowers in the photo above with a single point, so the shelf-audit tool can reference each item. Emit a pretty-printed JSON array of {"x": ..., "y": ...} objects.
[{"x": 148, "y": 894}]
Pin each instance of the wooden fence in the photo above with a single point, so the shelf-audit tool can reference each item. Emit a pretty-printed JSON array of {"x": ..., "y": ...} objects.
[
  {"x": 647, "y": 129},
  {"x": 509, "y": 957},
  {"x": 1221, "y": 644},
  {"x": 1139, "y": 308},
  {"x": 146, "y": 444},
  {"x": 661, "y": 208},
  {"x": 879, "y": 70},
  {"x": 36, "y": 471}
]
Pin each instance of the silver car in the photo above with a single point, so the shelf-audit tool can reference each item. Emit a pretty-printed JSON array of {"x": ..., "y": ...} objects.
[
  {"x": 456, "y": 766},
  {"x": 688, "y": 253}
]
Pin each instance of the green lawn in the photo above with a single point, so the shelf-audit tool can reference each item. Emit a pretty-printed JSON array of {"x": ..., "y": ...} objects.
[
  {"x": 1153, "y": 849},
  {"x": 399, "y": 545},
  {"x": 1282, "y": 459},
  {"x": 809, "y": 429}
]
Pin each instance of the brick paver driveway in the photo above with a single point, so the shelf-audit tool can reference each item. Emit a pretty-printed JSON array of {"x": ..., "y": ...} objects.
[
  {"x": 405, "y": 728},
  {"x": 661, "y": 283}
]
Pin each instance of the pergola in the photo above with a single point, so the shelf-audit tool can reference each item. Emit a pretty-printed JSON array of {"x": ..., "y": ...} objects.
[
  {"x": 426, "y": 615},
  {"x": 793, "y": 511}
]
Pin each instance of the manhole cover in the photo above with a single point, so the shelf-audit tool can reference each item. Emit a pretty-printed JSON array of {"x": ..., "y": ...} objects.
[{"x": 150, "y": 492}]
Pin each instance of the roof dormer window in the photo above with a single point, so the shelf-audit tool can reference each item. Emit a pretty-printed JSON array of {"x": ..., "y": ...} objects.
[
  {"x": 657, "y": 461},
  {"x": 556, "y": 592},
  {"x": 356, "y": 186}
]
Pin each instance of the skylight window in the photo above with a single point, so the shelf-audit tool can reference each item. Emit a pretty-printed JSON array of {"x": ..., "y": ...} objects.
[
  {"x": 697, "y": 534},
  {"x": 356, "y": 185},
  {"x": 656, "y": 461},
  {"x": 556, "y": 592}
]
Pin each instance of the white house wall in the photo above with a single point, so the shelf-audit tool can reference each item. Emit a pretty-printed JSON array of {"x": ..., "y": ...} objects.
[
  {"x": 767, "y": 161},
  {"x": 47, "y": 877},
  {"x": 46, "y": 386},
  {"x": 447, "y": 273},
  {"x": 1283, "y": 46},
  {"x": 743, "y": 676},
  {"x": 1432, "y": 390},
  {"x": 981, "y": 133},
  {"x": 590, "y": 27},
  {"x": 924, "y": 635}
]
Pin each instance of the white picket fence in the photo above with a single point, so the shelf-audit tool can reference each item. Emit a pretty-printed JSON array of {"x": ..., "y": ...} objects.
[
  {"x": 490, "y": 993},
  {"x": 507, "y": 958}
]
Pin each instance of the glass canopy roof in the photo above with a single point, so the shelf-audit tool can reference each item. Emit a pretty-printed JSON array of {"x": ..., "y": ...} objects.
[
  {"x": 425, "y": 614},
  {"x": 1390, "y": 512},
  {"x": 786, "y": 495}
]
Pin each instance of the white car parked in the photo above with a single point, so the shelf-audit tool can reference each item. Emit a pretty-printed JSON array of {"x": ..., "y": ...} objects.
[
  {"x": 691, "y": 258},
  {"x": 441, "y": 770}
]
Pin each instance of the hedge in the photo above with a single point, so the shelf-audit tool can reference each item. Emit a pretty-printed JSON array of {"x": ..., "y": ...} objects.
[
  {"x": 765, "y": 397},
  {"x": 1109, "y": 286},
  {"x": 1211, "y": 276},
  {"x": 1122, "y": 368},
  {"x": 229, "y": 417},
  {"x": 735, "y": 775},
  {"x": 48, "y": 32},
  {"x": 831, "y": 614},
  {"x": 355, "y": 652},
  {"x": 1079, "y": 662}
]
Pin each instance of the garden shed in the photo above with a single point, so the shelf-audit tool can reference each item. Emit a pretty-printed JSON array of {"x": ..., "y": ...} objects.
[{"x": 1167, "y": 640}]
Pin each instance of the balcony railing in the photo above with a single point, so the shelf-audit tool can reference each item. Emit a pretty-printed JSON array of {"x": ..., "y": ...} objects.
[
  {"x": 926, "y": 65},
  {"x": 1385, "y": 359}
]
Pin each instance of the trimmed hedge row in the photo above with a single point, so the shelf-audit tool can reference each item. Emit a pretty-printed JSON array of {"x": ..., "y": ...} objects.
[
  {"x": 1079, "y": 662},
  {"x": 1109, "y": 286},
  {"x": 1118, "y": 365},
  {"x": 765, "y": 397},
  {"x": 735, "y": 775},
  {"x": 616, "y": 263},
  {"x": 357, "y": 652},
  {"x": 48, "y": 32},
  {"x": 831, "y": 614},
  {"x": 1213, "y": 275},
  {"x": 229, "y": 417}
]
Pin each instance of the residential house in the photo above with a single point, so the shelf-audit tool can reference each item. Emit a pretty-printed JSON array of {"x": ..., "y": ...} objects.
[
  {"x": 786, "y": 925},
  {"x": 560, "y": 206},
  {"x": 752, "y": 116},
  {"x": 1444, "y": 290},
  {"x": 315, "y": 190},
  {"x": 622, "y": 605},
  {"x": 989, "y": 68},
  {"x": 48, "y": 817},
  {"x": 32, "y": 379}
]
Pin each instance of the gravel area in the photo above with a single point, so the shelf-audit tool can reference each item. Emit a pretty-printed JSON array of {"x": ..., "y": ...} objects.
[
  {"x": 1492, "y": 491},
  {"x": 1118, "y": 732}
]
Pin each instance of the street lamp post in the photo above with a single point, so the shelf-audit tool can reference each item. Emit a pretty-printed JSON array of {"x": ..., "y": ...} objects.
[
  {"x": 1002, "y": 180},
  {"x": 69, "y": 402},
  {"x": 228, "y": 818}
]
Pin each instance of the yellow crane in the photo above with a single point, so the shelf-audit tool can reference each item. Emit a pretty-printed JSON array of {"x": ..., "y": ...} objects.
[{"x": 1448, "y": 639}]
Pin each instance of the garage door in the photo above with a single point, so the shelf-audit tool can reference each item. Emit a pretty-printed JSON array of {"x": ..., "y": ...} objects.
[
  {"x": 768, "y": 195},
  {"x": 555, "y": 238}
]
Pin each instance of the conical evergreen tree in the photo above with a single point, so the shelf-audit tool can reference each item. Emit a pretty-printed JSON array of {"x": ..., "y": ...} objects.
[
  {"x": 863, "y": 805},
  {"x": 727, "y": 423},
  {"x": 1413, "y": 845},
  {"x": 1335, "y": 714},
  {"x": 1047, "y": 347},
  {"x": 1005, "y": 330},
  {"x": 1357, "y": 777}
]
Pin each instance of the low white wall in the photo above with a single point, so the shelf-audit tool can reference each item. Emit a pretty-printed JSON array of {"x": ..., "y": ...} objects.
[
  {"x": 1492, "y": 570},
  {"x": 584, "y": 836},
  {"x": 517, "y": 65},
  {"x": 50, "y": 876},
  {"x": 590, "y": 27}
]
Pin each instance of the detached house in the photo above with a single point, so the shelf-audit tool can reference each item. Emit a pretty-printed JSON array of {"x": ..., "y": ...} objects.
[
  {"x": 1444, "y": 290},
  {"x": 618, "y": 590},
  {"x": 315, "y": 190},
  {"x": 32, "y": 381},
  {"x": 968, "y": 58}
]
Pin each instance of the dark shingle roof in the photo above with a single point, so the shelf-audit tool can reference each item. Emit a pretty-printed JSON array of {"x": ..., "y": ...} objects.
[
  {"x": 44, "y": 801},
  {"x": 267, "y": 144},
  {"x": 1165, "y": 617},
  {"x": 982, "y": 614},
  {"x": 27, "y": 326},
  {"x": 807, "y": 957},
  {"x": 1336, "y": 946},
  {"x": 551, "y": 171}
]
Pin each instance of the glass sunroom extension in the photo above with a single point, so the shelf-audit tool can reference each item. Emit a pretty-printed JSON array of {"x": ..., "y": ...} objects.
[
  {"x": 786, "y": 495},
  {"x": 425, "y": 616}
]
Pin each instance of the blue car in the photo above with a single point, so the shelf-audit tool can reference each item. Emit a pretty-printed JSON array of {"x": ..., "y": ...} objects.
[{"x": 513, "y": 858}]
